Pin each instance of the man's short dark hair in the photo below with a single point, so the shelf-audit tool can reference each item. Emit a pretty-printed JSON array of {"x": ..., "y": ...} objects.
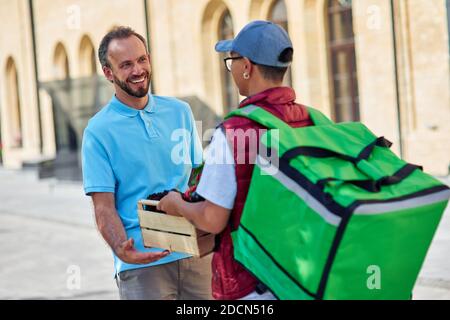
[
  {"x": 116, "y": 33},
  {"x": 277, "y": 73}
]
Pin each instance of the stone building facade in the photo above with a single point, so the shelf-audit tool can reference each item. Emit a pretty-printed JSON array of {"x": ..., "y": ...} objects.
[{"x": 383, "y": 62}]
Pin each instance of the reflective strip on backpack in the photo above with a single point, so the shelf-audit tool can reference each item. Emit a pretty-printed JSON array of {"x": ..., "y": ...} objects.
[
  {"x": 249, "y": 109},
  {"x": 377, "y": 208},
  {"x": 291, "y": 185}
]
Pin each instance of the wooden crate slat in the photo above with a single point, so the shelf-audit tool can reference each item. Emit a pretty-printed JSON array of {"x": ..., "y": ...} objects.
[
  {"x": 172, "y": 242},
  {"x": 173, "y": 233},
  {"x": 164, "y": 222}
]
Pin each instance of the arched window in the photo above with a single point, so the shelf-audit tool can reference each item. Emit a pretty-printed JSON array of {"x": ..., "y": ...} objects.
[
  {"x": 230, "y": 95},
  {"x": 61, "y": 63},
  {"x": 88, "y": 66},
  {"x": 66, "y": 137},
  {"x": 278, "y": 15},
  {"x": 341, "y": 44},
  {"x": 14, "y": 116}
]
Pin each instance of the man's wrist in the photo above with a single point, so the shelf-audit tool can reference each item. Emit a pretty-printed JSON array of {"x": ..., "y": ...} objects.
[
  {"x": 118, "y": 249},
  {"x": 179, "y": 207}
]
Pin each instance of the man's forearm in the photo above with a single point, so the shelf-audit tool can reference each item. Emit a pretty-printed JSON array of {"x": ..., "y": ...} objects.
[
  {"x": 112, "y": 230},
  {"x": 202, "y": 215},
  {"x": 110, "y": 227},
  {"x": 194, "y": 213}
]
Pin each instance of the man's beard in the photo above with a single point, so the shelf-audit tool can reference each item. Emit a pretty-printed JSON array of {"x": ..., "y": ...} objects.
[{"x": 140, "y": 93}]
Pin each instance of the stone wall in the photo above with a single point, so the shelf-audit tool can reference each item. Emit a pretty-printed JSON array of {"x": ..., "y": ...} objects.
[{"x": 183, "y": 34}]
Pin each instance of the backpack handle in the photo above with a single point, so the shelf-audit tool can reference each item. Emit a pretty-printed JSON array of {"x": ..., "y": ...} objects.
[
  {"x": 375, "y": 185},
  {"x": 359, "y": 161},
  {"x": 324, "y": 153}
]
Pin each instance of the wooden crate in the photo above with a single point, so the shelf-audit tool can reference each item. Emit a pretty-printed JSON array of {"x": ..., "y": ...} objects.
[{"x": 173, "y": 233}]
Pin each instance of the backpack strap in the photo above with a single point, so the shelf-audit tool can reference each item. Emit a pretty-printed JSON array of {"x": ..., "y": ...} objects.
[
  {"x": 261, "y": 116},
  {"x": 318, "y": 118},
  {"x": 270, "y": 121}
]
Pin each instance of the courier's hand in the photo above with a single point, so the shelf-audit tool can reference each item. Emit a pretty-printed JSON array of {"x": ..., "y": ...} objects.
[
  {"x": 170, "y": 203},
  {"x": 128, "y": 253}
]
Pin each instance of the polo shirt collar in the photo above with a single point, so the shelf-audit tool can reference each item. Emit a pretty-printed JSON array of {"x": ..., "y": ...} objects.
[{"x": 127, "y": 111}]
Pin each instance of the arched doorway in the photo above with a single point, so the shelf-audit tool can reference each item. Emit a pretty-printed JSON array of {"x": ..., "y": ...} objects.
[
  {"x": 66, "y": 137},
  {"x": 61, "y": 69},
  {"x": 14, "y": 110},
  {"x": 87, "y": 58}
]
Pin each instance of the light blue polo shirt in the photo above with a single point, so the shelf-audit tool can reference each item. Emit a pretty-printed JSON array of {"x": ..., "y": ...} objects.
[{"x": 133, "y": 153}]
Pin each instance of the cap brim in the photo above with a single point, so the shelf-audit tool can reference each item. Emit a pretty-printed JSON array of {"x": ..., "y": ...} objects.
[{"x": 224, "y": 46}]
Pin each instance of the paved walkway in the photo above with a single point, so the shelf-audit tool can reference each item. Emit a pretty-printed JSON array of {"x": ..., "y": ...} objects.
[{"x": 48, "y": 237}]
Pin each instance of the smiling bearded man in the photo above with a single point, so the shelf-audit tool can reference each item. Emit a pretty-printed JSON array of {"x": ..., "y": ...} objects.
[{"x": 127, "y": 156}]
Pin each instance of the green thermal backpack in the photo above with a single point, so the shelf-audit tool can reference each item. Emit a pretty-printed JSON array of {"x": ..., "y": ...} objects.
[{"x": 333, "y": 213}]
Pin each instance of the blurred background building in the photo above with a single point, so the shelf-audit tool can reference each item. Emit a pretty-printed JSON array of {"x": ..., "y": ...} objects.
[{"x": 383, "y": 62}]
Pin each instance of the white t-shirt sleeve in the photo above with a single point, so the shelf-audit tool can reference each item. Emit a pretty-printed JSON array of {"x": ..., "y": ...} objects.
[{"x": 218, "y": 181}]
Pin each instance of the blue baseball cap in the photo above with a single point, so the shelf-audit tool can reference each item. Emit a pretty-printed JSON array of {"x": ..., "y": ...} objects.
[{"x": 260, "y": 41}]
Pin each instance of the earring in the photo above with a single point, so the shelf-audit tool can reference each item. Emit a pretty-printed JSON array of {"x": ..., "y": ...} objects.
[{"x": 246, "y": 76}]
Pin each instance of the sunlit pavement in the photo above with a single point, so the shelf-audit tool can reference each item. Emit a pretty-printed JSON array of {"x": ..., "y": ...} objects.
[{"x": 50, "y": 248}]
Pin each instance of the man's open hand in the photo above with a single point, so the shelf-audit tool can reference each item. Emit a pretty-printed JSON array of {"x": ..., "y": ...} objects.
[{"x": 128, "y": 253}]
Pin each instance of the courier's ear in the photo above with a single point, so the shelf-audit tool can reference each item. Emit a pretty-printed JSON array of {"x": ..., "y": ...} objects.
[
  {"x": 107, "y": 71},
  {"x": 248, "y": 66}
]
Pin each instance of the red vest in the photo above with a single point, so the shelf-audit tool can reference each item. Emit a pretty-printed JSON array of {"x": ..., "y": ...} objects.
[{"x": 230, "y": 280}]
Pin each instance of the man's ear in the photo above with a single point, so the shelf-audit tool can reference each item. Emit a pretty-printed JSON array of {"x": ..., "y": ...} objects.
[
  {"x": 248, "y": 66},
  {"x": 108, "y": 74}
]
